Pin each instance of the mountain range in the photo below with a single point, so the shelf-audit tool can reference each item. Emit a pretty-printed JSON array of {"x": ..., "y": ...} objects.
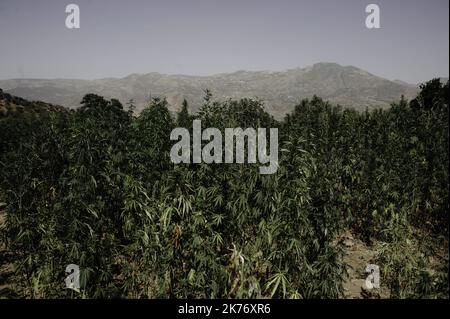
[{"x": 280, "y": 91}]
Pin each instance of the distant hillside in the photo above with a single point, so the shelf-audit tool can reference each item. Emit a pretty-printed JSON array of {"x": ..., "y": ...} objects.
[
  {"x": 10, "y": 105},
  {"x": 346, "y": 85}
]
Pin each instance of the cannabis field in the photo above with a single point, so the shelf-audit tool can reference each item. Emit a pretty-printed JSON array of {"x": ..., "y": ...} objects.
[{"x": 95, "y": 187}]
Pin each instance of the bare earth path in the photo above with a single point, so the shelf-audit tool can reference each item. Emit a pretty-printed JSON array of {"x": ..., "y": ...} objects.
[{"x": 357, "y": 256}]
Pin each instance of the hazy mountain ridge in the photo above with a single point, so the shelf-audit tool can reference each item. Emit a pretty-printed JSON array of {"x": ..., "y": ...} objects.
[{"x": 280, "y": 91}]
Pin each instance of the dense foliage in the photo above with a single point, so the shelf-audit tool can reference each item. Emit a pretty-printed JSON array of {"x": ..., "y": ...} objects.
[{"x": 95, "y": 187}]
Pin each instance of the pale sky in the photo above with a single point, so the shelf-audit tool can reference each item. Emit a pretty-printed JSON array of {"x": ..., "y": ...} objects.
[{"x": 202, "y": 37}]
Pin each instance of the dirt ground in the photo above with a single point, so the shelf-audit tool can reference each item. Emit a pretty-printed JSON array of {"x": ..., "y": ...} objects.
[{"x": 357, "y": 256}]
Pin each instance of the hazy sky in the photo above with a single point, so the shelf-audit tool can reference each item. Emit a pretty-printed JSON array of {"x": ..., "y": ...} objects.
[{"x": 203, "y": 37}]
